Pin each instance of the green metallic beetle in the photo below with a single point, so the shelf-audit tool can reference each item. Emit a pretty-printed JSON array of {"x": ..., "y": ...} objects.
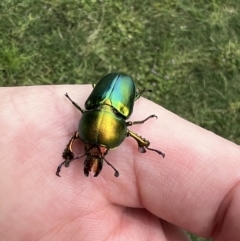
[{"x": 103, "y": 126}]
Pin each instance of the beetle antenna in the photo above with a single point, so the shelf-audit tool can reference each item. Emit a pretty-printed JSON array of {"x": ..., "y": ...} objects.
[
  {"x": 116, "y": 171},
  {"x": 78, "y": 157}
]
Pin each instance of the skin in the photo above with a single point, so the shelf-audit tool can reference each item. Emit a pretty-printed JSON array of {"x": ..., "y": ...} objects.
[{"x": 195, "y": 187}]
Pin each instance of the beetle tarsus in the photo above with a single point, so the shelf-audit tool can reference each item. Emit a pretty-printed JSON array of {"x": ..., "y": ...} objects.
[
  {"x": 130, "y": 123},
  {"x": 159, "y": 152},
  {"x": 66, "y": 163},
  {"x": 59, "y": 169}
]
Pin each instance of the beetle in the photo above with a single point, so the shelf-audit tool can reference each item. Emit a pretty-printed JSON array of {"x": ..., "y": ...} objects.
[{"x": 103, "y": 124}]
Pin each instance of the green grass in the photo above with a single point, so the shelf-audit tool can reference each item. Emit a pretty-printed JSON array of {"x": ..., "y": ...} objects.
[{"x": 188, "y": 51}]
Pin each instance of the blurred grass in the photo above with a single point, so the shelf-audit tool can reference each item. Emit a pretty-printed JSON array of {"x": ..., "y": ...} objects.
[{"x": 188, "y": 51}]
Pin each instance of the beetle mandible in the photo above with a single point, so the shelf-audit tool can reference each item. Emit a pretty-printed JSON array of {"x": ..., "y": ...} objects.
[{"x": 103, "y": 124}]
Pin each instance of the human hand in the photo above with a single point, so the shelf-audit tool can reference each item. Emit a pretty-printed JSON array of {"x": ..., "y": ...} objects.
[{"x": 195, "y": 187}]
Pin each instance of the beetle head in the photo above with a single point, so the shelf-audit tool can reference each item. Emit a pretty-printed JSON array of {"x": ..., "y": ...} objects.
[{"x": 94, "y": 160}]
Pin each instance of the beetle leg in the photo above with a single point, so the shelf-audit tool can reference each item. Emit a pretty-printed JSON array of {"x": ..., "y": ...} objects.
[
  {"x": 68, "y": 154},
  {"x": 74, "y": 103},
  {"x": 143, "y": 143},
  {"x": 130, "y": 123},
  {"x": 140, "y": 92}
]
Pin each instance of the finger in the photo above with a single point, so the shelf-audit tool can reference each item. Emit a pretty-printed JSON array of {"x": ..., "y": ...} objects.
[{"x": 189, "y": 187}]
